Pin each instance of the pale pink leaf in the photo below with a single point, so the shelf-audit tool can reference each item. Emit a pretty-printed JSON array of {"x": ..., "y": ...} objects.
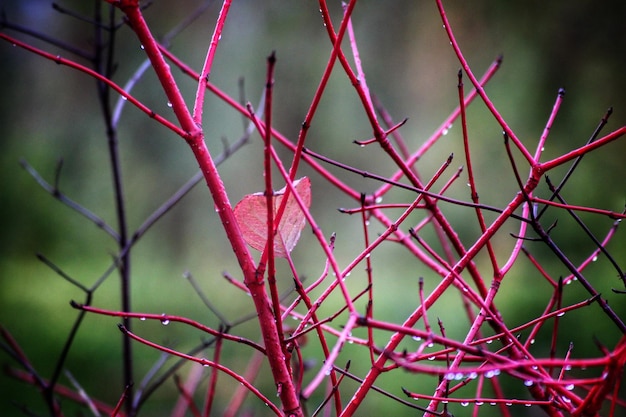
[{"x": 251, "y": 214}]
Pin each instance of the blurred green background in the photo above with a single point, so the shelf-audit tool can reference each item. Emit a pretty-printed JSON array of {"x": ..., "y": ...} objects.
[{"x": 50, "y": 112}]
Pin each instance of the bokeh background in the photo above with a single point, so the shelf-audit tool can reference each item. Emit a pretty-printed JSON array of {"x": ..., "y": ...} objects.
[{"x": 50, "y": 112}]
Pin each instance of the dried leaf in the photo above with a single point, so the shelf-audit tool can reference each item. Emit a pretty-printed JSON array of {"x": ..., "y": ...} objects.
[{"x": 251, "y": 214}]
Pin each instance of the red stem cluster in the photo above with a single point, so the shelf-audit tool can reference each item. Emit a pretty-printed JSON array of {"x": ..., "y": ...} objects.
[{"x": 471, "y": 360}]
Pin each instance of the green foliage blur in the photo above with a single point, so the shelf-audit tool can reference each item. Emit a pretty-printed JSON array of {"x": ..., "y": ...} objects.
[{"x": 50, "y": 113}]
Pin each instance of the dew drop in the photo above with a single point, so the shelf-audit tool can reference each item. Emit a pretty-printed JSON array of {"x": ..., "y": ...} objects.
[
  {"x": 568, "y": 367},
  {"x": 528, "y": 383},
  {"x": 493, "y": 403},
  {"x": 169, "y": 104},
  {"x": 508, "y": 404},
  {"x": 431, "y": 358},
  {"x": 142, "y": 318},
  {"x": 542, "y": 149},
  {"x": 473, "y": 375},
  {"x": 142, "y": 47},
  {"x": 431, "y": 344},
  {"x": 479, "y": 403},
  {"x": 464, "y": 404},
  {"x": 490, "y": 341},
  {"x": 449, "y": 376},
  {"x": 561, "y": 314},
  {"x": 378, "y": 200},
  {"x": 417, "y": 338},
  {"x": 595, "y": 258},
  {"x": 445, "y": 401},
  {"x": 124, "y": 98},
  {"x": 459, "y": 376},
  {"x": 527, "y": 405},
  {"x": 327, "y": 371},
  {"x": 569, "y": 387},
  {"x": 164, "y": 321}
]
